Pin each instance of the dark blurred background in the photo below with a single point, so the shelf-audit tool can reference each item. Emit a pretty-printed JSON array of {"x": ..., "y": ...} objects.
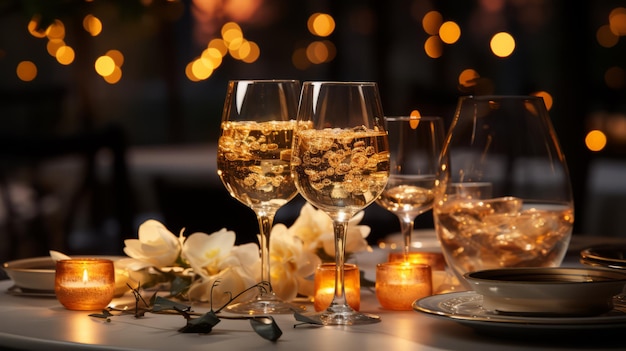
[{"x": 110, "y": 110}]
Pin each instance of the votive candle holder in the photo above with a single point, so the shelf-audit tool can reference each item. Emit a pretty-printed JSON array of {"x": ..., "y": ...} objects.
[
  {"x": 84, "y": 284},
  {"x": 399, "y": 284},
  {"x": 324, "y": 286}
]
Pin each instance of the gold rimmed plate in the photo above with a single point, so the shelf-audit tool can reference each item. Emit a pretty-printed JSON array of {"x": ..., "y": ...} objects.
[
  {"x": 609, "y": 256},
  {"x": 466, "y": 308}
]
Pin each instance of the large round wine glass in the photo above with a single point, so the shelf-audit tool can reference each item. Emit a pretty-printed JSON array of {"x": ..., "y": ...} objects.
[
  {"x": 415, "y": 146},
  {"x": 253, "y": 157},
  {"x": 505, "y": 197},
  {"x": 340, "y": 164}
]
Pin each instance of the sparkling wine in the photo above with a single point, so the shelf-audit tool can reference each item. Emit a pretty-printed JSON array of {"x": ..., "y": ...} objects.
[
  {"x": 340, "y": 170},
  {"x": 253, "y": 161},
  {"x": 503, "y": 232},
  {"x": 408, "y": 195}
]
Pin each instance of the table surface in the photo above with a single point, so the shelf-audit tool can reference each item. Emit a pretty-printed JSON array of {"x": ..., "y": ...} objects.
[{"x": 34, "y": 323}]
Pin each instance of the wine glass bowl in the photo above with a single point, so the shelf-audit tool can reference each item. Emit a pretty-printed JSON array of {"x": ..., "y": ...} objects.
[
  {"x": 415, "y": 143},
  {"x": 504, "y": 198},
  {"x": 340, "y": 164},
  {"x": 253, "y": 160}
]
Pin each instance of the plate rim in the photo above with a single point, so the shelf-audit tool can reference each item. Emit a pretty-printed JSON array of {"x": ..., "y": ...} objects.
[
  {"x": 588, "y": 253},
  {"x": 428, "y": 305}
]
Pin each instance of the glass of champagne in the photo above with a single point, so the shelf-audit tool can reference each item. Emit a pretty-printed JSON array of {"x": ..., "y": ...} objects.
[
  {"x": 253, "y": 157},
  {"x": 415, "y": 146},
  {"x": 340, "y": 164},
  {"x": 505, "y": 197}
]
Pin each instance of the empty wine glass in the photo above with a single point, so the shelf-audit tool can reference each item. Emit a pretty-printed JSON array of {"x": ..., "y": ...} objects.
[
  {"x": 505, "y": 197},
  {"x": 415, "y": 145},
  {"x": 253, "y": 158},
  {"x": 340, "y": 164}
]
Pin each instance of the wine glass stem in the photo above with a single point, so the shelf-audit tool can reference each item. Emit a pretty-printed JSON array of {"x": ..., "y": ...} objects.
[
  {"x": 341, "y": 231},
  {"x": 406, "y": 228},
  {"x": 265, "y": 226}
]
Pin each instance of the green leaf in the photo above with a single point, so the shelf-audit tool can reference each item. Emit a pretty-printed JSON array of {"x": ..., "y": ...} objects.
[
  {"x": 306, "y": 319},
  {"x": 163, "y": 304},
  {"x": 266, "y": 327},
  {"x": 203, "y": 324},
  {"x": 105, "y": 314}
]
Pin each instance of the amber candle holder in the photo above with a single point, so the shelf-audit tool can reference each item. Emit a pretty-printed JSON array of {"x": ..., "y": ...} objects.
[
  {"x": 324, "y": 286},
  {"x": 399, "y": 284},
  {"x": 84, "y": 284}
]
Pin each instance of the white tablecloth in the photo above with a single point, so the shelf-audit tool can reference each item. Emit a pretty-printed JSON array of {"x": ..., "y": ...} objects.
[{"x": 43, "y": 323}]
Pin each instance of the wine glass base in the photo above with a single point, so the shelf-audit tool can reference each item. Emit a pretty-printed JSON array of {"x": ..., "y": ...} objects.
[
  {"x": 264, "y": 304},
  {"x": 342, "y": 316}
]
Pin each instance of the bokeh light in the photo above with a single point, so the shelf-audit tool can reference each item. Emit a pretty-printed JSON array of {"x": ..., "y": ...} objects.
[
  {"x": 502, "y": 44},
  {"x": 449, "y": 32},
  {"x": 104, "y": 65},
  {"x": 92, "y": 25},
  {"x": 606, "y": 37},
  {"x": 617, "y": 21},
  {"x": 26, "y": 71},
  {"x": 431, "y": 22},
  {"x": 595, "y": 140},
  {"x": 433, "y": 47},
  {"x": 65, "y": 55},
  {"x": 321, "y": 24},
  {"x": 468, "y": 77},
  {"x": 547, "y": 98}
]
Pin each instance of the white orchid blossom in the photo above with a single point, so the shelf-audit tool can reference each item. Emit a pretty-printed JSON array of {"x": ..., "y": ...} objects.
[
  {"x": 214, "y": 257},
  {"x": 290, "y": 264},
  {"x": 156, "y": 246},
  {"x": 315, "y": 228},
  {"x": 230, "y": 281}
]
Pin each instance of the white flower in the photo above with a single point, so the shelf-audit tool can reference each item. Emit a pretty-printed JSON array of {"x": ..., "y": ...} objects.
[
  {"x": 355, "y": 238},
  {"x": 232, "y": 280},
  {"x": 214, "y": 257},
  {"x": 128, "y": 271},
  {"x": 156, "y": 245},
  {"x": 208, "y": 255},
  {"x": 310, "y": 225},
  {"x": 290, "y": 263},
  {"x": 315, "y": 228}
]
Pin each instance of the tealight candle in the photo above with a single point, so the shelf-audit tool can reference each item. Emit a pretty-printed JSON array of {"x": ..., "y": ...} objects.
[
  {"x": 324, "y": 286},
  {"x": 399, "y": 284},
  {"x": 84, "y": 284},
  {"x": 434, "y": 259}
]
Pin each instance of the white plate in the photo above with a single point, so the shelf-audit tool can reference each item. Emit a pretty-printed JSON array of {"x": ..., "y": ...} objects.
[
  {"x": 466, "y": 308},
  {"x": 35, "y": 273}
]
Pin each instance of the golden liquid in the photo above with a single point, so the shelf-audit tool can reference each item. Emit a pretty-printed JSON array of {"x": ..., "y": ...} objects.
[
  {"x": 410, "y": 195},
  {"x": 504, "y": 232},
  {"x": 253, "y": 162},
  {"x": 340, "y": 171}
]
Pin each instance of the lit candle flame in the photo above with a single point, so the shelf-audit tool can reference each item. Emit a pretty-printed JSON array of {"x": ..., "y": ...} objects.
[{"x": 85, "y": 276}]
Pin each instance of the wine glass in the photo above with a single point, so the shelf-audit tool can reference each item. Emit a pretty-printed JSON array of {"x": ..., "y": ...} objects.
[
  {"x": 340, "y": 164},
  {"x": 253, "y": 157},
  {"x": 505, "y": 197},
  {"x": 415, "y": 143}
]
